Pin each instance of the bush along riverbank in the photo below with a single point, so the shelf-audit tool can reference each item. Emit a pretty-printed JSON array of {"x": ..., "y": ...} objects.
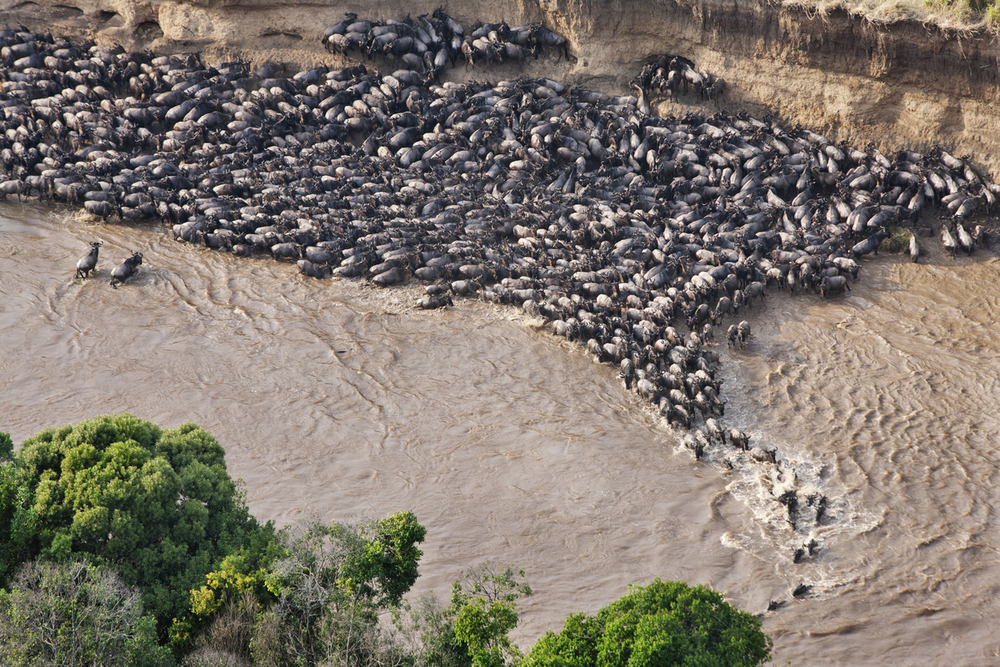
[{"x": 125, "y": 544}]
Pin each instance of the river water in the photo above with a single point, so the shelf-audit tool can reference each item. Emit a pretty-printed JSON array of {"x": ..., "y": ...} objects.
[{"x": 335, "y": 400}]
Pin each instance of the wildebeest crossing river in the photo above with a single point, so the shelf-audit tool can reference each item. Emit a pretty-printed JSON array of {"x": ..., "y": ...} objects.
[
  {"x": 627, "y": 233},
  {"x": 512, "y": 445}
]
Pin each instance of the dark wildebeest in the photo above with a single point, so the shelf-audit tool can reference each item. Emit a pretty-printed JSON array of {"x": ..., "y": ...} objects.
[
  {"x": 126, "y": 269},
  {"x": 833, "y": 285},
  {"x": 88, "y": 263},
  {"x": 743, "y": 333}
]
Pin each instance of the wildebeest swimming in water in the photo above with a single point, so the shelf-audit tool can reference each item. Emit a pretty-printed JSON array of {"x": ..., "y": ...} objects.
[
  {"x": 88, "y": 263},
  {"x": 126, "y": 269}
]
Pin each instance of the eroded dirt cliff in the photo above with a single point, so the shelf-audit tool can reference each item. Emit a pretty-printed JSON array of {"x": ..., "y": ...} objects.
[{"x": 898, "y": 85}]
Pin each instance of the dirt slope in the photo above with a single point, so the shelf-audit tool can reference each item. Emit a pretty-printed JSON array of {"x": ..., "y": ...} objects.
[{"x": 898, "y": 85}]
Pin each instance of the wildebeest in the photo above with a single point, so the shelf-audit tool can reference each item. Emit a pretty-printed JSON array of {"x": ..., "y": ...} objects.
[
  {"x": 12, "y": 187},
  {"x": 914, "y": 248},
  {"x": 846, "y": 265},
  {"x": 754, "y": 290},
  {"x": 743, "y": 330},
  {"x": 291, "y": 251},
  {"x": 801, "y": 590},
  {"x": 715, "y": 430},
  {"x": 764, "y": 455},
  {"x": 126, "y": 269},
  {"x": 694, "y": 445},
  {"x": 88, "y": 263},
  {"x": 102, "y": 209},
  {"x": 313, "y": 269},
  {"x": 948, "y": 241},
  {"x": 833, "y": 285},
  {"x": 722, "y": 308},
  {"x": 739, "y": 335},
  {"x": 870, "y": 244},
  {"x": 434, "y": 301},
  {"x": 715, "y": 90},
  {"x": 739, "y": 439},
  {"x": 964, "y": 239},
  {"x": 701, "y": 314}
]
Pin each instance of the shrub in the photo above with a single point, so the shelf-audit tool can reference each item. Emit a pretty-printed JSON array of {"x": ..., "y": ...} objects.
[
  {"x": 897, "y": 242},
  {"x": 74, "y": 613},
  {"x": 473, "y": 630},
  {"x": 329, "y": 589},
  {"x": 663, "y": 623}
]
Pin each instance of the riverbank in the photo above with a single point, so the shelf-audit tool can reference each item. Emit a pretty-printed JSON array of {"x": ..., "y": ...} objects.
[{"x": 898, "y": 85}]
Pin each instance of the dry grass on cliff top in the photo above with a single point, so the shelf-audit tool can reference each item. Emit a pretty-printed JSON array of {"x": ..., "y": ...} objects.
[{"x": 963, "y": 16}]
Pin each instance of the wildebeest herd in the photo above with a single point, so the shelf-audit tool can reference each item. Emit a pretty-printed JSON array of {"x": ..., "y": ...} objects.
[
  {"x": 668, "y": 76},
  {"x": 429, "y": 45},
  {"x": 633, "y": 234}
]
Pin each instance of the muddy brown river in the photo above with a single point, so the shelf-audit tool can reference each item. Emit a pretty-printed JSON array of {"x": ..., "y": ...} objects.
[{"x": 336, "y": 400}]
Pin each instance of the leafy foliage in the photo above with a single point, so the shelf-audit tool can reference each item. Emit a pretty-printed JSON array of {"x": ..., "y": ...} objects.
[
  {"x": 158, "y": 506},
  {"x": 435, "y": 624},
  {"x": 385, "y": 568},
  {"x": 73, "y": 613},
  {"x": 473, "y": 630},
  {"x": 231, "y": 597},
  {"x": 116, "y": 516},
  {"x": 576, "y": 644},
  {"x": 6, "y": 447},
  {"x": 330, "y": 587},
  {"x": 663, "y": 623}
]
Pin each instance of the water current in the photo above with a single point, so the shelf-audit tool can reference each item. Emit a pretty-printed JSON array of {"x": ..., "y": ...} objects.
[{"x": 335, "y": 400}]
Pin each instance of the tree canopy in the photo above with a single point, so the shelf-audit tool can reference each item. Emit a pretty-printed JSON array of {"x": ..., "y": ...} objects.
[
  {"x": 665, "y": 623},
  {"x": 117, "y": 537},
  {"x": 158, "y": 506},
  {"x": 473, "y": 630},
  {"x": 331, "y": 584},
  {"x": 76, "y": 614}
]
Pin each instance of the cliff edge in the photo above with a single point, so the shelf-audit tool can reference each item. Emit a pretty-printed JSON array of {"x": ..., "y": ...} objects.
[{"x": 897, "y": 85}]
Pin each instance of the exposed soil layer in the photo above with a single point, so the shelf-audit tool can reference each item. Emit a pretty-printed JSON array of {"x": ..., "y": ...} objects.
[{"x": 898, "y": 85}]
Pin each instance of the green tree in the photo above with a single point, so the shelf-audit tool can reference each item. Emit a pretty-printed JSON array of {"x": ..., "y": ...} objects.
[
  {"x": 384, "y": 569},
  {"x": 6, "y": 447},
  {"x": 330, "y": 588},
  {"x": 575, "y": 645},
  {"x": 473, "y": 630},
  {"x": 17, "y": 538},
  {"x": 78, "y": 615},
  {"x": 157, "y": 506},
  {"x": 662, "y": 623}
]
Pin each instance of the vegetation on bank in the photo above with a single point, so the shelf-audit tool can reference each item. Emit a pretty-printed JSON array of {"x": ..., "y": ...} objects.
[
  {"x": 898, "y": 240},
  {"x": 125, "y": 544},
  {"x": 963, "y": 16}
]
